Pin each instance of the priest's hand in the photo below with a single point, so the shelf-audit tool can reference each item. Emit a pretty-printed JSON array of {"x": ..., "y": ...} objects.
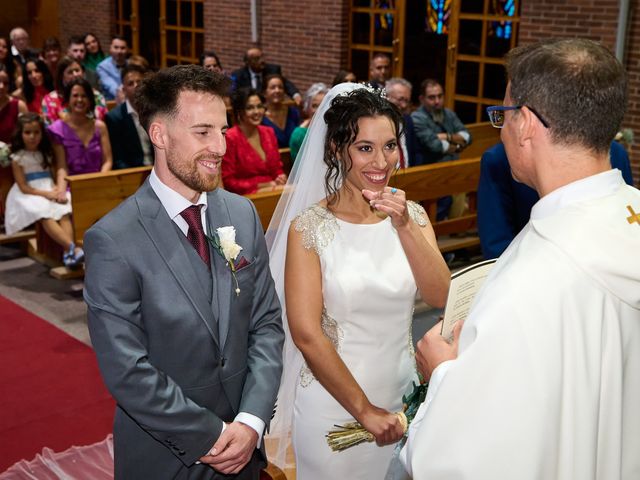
[
  {"x": 433, "y": 349},
  {"x": 233, "y": 449}
]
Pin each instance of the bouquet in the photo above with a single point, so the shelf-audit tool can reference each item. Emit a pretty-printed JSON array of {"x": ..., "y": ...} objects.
[
  {"x": 352, "y": 433},
  {"x": 5, "y": 151}
]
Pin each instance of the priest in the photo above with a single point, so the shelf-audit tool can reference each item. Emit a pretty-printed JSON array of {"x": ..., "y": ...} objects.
[{"x": 543, "y": 379}]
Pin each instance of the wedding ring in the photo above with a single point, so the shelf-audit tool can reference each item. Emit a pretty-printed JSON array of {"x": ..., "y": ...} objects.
[{"x": 393, "y": 190}]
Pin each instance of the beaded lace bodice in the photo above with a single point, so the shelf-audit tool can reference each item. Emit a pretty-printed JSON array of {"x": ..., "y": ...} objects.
[{"x": 366, "y": 281}]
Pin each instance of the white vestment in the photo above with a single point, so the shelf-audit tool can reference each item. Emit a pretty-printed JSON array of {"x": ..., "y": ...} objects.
[{"x": 547, "y": 381}]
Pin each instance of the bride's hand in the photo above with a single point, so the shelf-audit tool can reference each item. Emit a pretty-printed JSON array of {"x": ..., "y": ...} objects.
[
  {"x": 383, "y": 425},
  {"x": 391, "y": 201}
]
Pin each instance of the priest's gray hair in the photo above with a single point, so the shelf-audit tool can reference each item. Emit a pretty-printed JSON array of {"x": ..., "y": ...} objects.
[{"x": 576, "y": 85}]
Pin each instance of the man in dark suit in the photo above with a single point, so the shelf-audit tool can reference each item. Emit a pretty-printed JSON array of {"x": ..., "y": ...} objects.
[
  {"x": 187, "y": 329},
  {"x": 130, "y": 143},
  {"x": 504, "y": 205},
  {"x": 255, "y": 71},
  {"x": 20, "y": 47}
]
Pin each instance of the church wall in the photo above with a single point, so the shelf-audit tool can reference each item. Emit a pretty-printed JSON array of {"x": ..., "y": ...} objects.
[
  {"x": 307, "y": 38},
  {"x": 81, "y": 16}
]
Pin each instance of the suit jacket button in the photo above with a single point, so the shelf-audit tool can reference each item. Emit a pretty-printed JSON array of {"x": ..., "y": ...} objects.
[
  {"x": 222, "y": 361},
  {"x": 181, "y": 452}
]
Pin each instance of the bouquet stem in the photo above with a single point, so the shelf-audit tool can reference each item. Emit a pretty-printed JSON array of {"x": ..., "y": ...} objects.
[{"x": 352, "y": 433}]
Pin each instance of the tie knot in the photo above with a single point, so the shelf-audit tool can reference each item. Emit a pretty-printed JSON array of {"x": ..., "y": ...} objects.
[{"x": 191, "y": 215}]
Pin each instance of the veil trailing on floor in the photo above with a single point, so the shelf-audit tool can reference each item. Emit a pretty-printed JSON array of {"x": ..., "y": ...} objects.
[{"x": 304, "y": 188}]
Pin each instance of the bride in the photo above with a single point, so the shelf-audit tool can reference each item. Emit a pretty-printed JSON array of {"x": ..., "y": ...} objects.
[{"x": 356, "y": 251}]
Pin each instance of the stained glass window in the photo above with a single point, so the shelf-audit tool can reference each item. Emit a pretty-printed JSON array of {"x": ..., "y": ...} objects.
[
  {"x": 503, "y": 29},
  {"x": 438, "y": 13}
]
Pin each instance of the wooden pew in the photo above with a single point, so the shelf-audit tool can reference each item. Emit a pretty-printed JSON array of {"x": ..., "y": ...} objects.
[
  {"x": 483, "y": 136},
  {"x": 94, "y": 195},
  {"x": 427, "y": 183},
  {"x": 423, "y": 184}
]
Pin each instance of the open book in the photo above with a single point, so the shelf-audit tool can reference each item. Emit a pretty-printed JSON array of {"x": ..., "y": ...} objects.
[{"x": 465, "y": 284}]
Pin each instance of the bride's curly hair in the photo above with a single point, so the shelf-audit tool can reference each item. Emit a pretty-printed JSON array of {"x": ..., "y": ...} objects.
[{"x": 342, "y": 130}]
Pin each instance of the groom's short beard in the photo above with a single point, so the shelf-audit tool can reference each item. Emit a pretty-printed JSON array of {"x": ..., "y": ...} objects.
[{"x": 187, "y": 172}]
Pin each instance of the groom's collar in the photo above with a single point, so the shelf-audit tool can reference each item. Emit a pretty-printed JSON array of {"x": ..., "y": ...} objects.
[{"x": 172, "y": 201}]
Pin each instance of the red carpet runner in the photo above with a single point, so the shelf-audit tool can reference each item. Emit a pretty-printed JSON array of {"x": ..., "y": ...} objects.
[{"x": 51, "y": 392}]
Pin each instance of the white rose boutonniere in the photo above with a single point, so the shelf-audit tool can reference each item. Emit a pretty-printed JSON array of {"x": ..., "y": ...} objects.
[{"x": 224, "y": 242}]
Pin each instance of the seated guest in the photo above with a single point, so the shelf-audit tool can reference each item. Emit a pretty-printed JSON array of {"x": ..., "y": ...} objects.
[
  {"x": 379, "y": 69},
  {"x": 312, "y": 99},
  {"x": 130, "y": 143},
  {"x": 53, "y": 106},
  {"x": 280, "y": 117},
  {"x": 343, "y": 76},
  {"x": 10, "y": 108},
  {"x": 20, "y": 45},
  {"x": 80, "y": 142},
  {"x": 209, "y": 60},
  {"x": 11, "y": 65},
  {"x": 51, "y": 53},
  {"x": 78, "y": 52},
  {"x": 504, "y": 205},
  {"x": 36, "y": 85},
  {"x": 252, "y": 161},
  {"x": 441, "y": 136},
  {"x": 399, "y": 93},
  {"x": 255, "y": 72},
  {"x": 94, "y": 54},
  {"x": 109, "y": 70},
  {"x": 141, "y": 62}
]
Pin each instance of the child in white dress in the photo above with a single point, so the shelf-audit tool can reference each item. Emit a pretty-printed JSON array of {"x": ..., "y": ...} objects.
[{"x": 35, "y": 195}]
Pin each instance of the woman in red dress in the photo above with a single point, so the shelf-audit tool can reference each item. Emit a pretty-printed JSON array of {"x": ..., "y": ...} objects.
[
  {"x": 10, "y": 108},
  {"x": 252, "y": 162}
]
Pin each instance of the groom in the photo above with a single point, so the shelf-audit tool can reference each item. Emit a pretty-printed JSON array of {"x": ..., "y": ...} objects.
[{"x": 191, "y": 350}]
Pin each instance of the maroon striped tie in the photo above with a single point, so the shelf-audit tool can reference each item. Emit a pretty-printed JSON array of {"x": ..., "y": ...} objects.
[{"x": 195, "y": 234}]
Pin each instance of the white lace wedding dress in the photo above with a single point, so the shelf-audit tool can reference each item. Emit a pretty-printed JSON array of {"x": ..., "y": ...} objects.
[{"x": 369, "y": 293}]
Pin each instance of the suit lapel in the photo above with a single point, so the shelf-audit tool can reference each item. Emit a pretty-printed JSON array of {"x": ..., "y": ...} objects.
[
  {"x": 161, "y": 231},
  {"x": 218, "y": 216}
]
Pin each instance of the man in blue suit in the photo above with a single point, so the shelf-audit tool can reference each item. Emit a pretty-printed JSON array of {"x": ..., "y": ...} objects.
[
  {"x": 129, "y": 141},
  {"x": 504, "y": 205}
]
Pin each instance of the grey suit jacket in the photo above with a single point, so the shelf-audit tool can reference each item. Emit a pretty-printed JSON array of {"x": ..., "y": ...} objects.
[{"x": 179, "y": 362}]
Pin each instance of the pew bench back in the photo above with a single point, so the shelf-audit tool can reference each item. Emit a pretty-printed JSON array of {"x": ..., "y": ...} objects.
[
  {"x": 424, "y": 184},
  {"x": 93, "y": 195}
]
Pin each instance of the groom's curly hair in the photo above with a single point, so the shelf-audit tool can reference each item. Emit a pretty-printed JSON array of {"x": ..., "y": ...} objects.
[{"x": 342, "y": 130}]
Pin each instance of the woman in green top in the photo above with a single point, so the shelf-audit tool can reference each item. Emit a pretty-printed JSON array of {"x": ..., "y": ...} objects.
[
  {"x": 312, "y": 99},
  {"x": 94, "y": 53}
]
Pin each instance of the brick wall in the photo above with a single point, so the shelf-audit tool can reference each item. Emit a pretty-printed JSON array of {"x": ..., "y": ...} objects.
[
  {"x": 81, "y": 16},
  {"x": 14, "y": 14},
  {"x": 308, "y": 40},
  {"x": 596, "y": 20}
]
